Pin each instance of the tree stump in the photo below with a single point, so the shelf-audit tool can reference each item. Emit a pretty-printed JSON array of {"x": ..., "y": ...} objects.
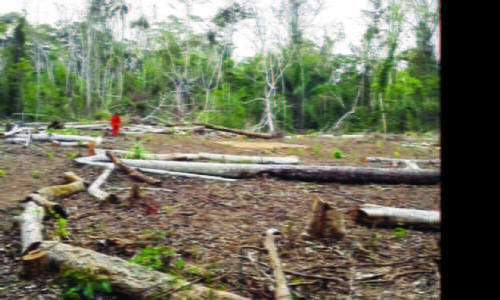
[{"x": 35, "y": 263}]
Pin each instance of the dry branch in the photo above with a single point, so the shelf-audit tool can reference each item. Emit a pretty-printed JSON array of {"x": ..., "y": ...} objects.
[
  {"x": 240, "y": 132},
  {"x": 132, "y": 172},
  {"x": 15, "y": 130},
  {"x": 325, "y": 221},
  {"x": 31, "y": 226},
  {"x": 383, "y": 215},
  {"x": 282, "y": 292},
  {"x": 95, "y": 188},
  {"x": 132, "y": 280}
]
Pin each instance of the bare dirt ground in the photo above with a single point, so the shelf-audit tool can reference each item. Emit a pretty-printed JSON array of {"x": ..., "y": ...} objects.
[{"x": 218, "y": 226}]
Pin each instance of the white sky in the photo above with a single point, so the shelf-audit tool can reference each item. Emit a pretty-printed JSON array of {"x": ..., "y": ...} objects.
[{"x": 337, "y": 11}]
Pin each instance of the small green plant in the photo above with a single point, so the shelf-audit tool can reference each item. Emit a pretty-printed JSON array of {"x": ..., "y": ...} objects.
[
  {"x": 61, "y": 224},
  {"x": 2, "y": 173},
  {"x": 83, "y": 284},
  {"x": 400, "y": 232},
  {"x": 137, "y": 151},
  {"x": 80, "y": 143},
  {"x": 317, "y": 150},
  {"x": 71, "y": 155},
  {"x": 397, "y": 154},
  {"x": 380, "y": 146},
  {"x": 157, "y": 258},
  {"x": 35, "y": 174},
  {"x": 337, "y": 154},
  {"x": 50, "y": 154},
  {"x": 148, "y": 138}
]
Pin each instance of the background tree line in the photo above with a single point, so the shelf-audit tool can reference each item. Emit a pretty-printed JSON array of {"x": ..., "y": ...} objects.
[{"x": 171, "y": 72}]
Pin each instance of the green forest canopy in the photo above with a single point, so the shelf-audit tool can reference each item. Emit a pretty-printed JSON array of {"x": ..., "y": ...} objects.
[{"x": 81, "y": 71}]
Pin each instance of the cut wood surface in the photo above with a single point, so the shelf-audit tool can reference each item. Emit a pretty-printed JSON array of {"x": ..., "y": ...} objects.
[
  {"x": 132, "y": 172},
  {"x": 297, "y": 172},
  {"x": 132, "y": 280},
  {"x": 383, "y": 215},
  {"x": 95, "y": 188},
  {"x": 282, "y": 291}
]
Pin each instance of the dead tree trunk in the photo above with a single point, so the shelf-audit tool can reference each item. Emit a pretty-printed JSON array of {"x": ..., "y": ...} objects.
[
  {"x": 352, "y": 175},
  {"x": 390, "y": 216},
  {"x": 325, "y": 221},
  {"x": 132, "y": 280}
]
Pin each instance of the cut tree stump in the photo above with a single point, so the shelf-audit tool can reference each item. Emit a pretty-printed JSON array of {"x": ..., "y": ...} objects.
[
  {"x": 35, "y": 264},
  {"x": 132, "y": 280},
  {"x": 324, "y": 221},
  {"x": 132, "y": 172},
  {"x": 369, "y": 214}
]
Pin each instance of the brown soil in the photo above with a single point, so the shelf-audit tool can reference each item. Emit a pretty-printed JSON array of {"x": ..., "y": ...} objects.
[{"x": 208, "y": 222}]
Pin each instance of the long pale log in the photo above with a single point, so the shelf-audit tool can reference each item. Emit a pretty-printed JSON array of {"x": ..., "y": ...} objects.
[
  {"x": 95, "y": 188},
  {"x": 174, "y": 156},
  {"x": 250, "y": 159},
  {"x": 297, "y": 172},
  {"x": 411, "y": 163},
  {"x": 391, "y": 216},
  {"x": 282, "y": 292},
  {"x": 210, "y": 156},
  {"x": 132, "y": 172},
  {"x": 180, "y": 174},
  {"x": 132, "y": 280},
  {"x": 60, "y": 137}
]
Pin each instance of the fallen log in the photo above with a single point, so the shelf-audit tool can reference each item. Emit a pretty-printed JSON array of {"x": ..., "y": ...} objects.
[
  {"x": 31, "y": 227},
  {"x": 132, "y": 172},
  {"x": 13, "y": 131},
  {"x": 324, "y": 221},
  {"x": 410, "y": 163},
  {"x": 210, "y": 156},
  {"x": 235, "y": 131},
  {"x": 132, "y": 280},
  {"x": 189, "y": 175},
  {"x": 95, "y": 188},
  {"x": 31, "y": 218},
  {"x": 282, "y": 292},
  {"x": 390, "y": 216},
  {"x": 315, "y": 173}
]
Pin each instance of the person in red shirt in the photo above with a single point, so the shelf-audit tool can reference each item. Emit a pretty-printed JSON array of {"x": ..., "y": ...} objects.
[{"x": 115, "y": 124}]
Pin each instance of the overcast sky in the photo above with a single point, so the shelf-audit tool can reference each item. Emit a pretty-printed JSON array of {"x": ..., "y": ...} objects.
[{"x": 336, "y": 11}]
